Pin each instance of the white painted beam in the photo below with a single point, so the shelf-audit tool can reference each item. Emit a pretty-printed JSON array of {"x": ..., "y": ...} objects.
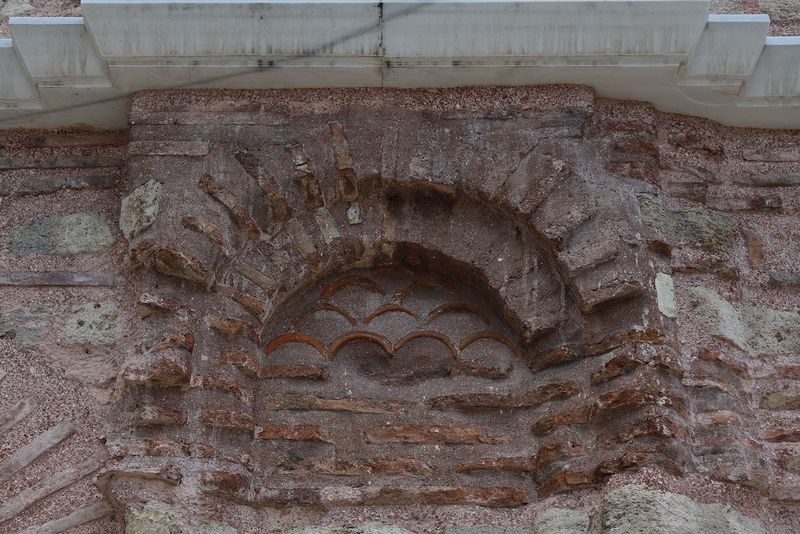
[
  {"x": 567, "y": 32},
  {"x": 16, "y": 89},
  {"x": 777, "y": 73},
  {"x": 728, "y": 49},
  {"x": 82, "y": 72},
  {"x": 186, "y": 30},
  {"x": 58, "y": 49}
]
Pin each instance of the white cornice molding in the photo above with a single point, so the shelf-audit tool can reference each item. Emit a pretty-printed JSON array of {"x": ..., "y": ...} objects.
[{"x": 80, "y": 71}]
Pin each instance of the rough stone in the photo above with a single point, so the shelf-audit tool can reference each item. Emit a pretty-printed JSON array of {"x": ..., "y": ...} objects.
[
  {"x": 139, "y": 209},
  {"x": 94, "y": 322},
  {"x": 26, "y": 326},
  {"x": 695, "y": 227},
  {"x": 485, "y": 529},
  {"x": 665, "y": 293},
  {"x": 754, "y": 329},
  {"x": 40, "y": 184},
  {"x": 15, "y": 8},
  {"x": 561, "y": 521},
  {"x": 367, "y": 528},
  {"x": 158, "y": 518},
  {"x": 636, "y": 508},
  {"x": 150, "y": 519},
  {"x": 76, "y": 233}
]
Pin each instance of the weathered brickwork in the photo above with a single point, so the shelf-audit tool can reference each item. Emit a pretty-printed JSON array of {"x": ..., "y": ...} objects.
[{"x": 336, "y": 303}]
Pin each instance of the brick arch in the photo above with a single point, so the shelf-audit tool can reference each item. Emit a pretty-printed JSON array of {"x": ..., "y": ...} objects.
[{"x": 246, "y": 227}]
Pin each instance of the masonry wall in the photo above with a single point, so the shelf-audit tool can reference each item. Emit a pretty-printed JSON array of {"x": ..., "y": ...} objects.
[{"x": 241, "y": 303}]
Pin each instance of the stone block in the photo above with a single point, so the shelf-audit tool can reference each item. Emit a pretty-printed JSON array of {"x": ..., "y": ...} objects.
[
  {"x": 62, "y": 235},
  {"x": 94, "y": 322},
  {"x": 665, "y": 293},
  {"x": 159, "y": 518},
  {"x": 636, "y": 508},
  {"x": 366, "y": 528},
  {"x": 486, "y": 529},
  {"x": 139, "y": 209},
  {"x": 667, "y": 228},
  {"x": 754, "y": 329},
  {"x": 561, "y": 521},
  {"x": 49, "y": 183},
  {"x": 26, "y": 326}
]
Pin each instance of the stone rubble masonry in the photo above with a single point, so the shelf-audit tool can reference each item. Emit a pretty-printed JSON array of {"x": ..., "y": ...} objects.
[{"x": 464, "y": 311}]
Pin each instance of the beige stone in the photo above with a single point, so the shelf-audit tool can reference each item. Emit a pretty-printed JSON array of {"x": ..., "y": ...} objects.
[
  {"x": 754, "y": 329},
  {"x": 562, "y": 521},
  {"x": 637, "y": 509},
  {"x": 665, "y": 293},
  {"x": 139, "y": 209}
]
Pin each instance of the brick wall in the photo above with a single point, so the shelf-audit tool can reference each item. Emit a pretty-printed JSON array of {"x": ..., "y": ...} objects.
[{"x": 448, "y": 307}]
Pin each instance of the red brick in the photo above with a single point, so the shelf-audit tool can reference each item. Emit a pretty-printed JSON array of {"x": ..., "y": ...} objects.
[
  {"x": 432, "y": 435},
  {"x": 379, "y": 466},
  {"x": 163, "y": 371},
  {"x": 219, "y": 481},
  {"x": 574, "y": 416},
  {"x": 567, "y": 480},
  {"x": 296, "y": 372},
  {"x": 211, "y": 382},
  {"x": 226, "y": 419},
  {"x": 181, "y": 265},
  {"x": 491, "y": 497},
  {"x": 243, "y": 361},
  {"x": 655, "y": 425},
  {"x": 514, "y": 465},
  {"x": 155, "y": 415},
  {"x": 292, "y": 433},
  {"x": 184, "y": 341},
  {"x": 634, "y": 397},
  {"x": 227, "y": 199},
  {"x": 291, "y": 401},
  {"x": 484, "y": 401}
]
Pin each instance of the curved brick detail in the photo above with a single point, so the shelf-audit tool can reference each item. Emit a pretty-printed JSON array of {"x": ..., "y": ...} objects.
[
  {"x": 425, "y": 300},
  {"x": 425, "y": 307}
]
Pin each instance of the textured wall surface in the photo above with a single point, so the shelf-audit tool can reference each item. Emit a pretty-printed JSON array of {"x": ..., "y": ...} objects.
[{"x": 427, "y": 310}]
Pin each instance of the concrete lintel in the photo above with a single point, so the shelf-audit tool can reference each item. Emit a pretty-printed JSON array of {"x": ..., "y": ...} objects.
[
  {"x": 672, "y": 53},
  {"x": 57, "y": 48}
]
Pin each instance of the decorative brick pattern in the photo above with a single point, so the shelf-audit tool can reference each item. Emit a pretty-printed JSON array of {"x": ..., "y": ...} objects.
[{"x": 461, "y": 309}]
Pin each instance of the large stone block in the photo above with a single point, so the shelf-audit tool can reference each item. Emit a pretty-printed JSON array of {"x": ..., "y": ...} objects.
[
  {"x": 562, "y": 521},
  {"x": 694, "y": 227},
  {"x": 158, "y": 518},
  {"x": 636, "y": 509},
  {"x": 95, "y": 322},
  {"x": 367, "y": 528},
  {"x": 754, "y": 329},
  {"x": 139, "y": 209},
  {"x": 26, "y": 326},
  {"x": 62, "y": 235}
]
